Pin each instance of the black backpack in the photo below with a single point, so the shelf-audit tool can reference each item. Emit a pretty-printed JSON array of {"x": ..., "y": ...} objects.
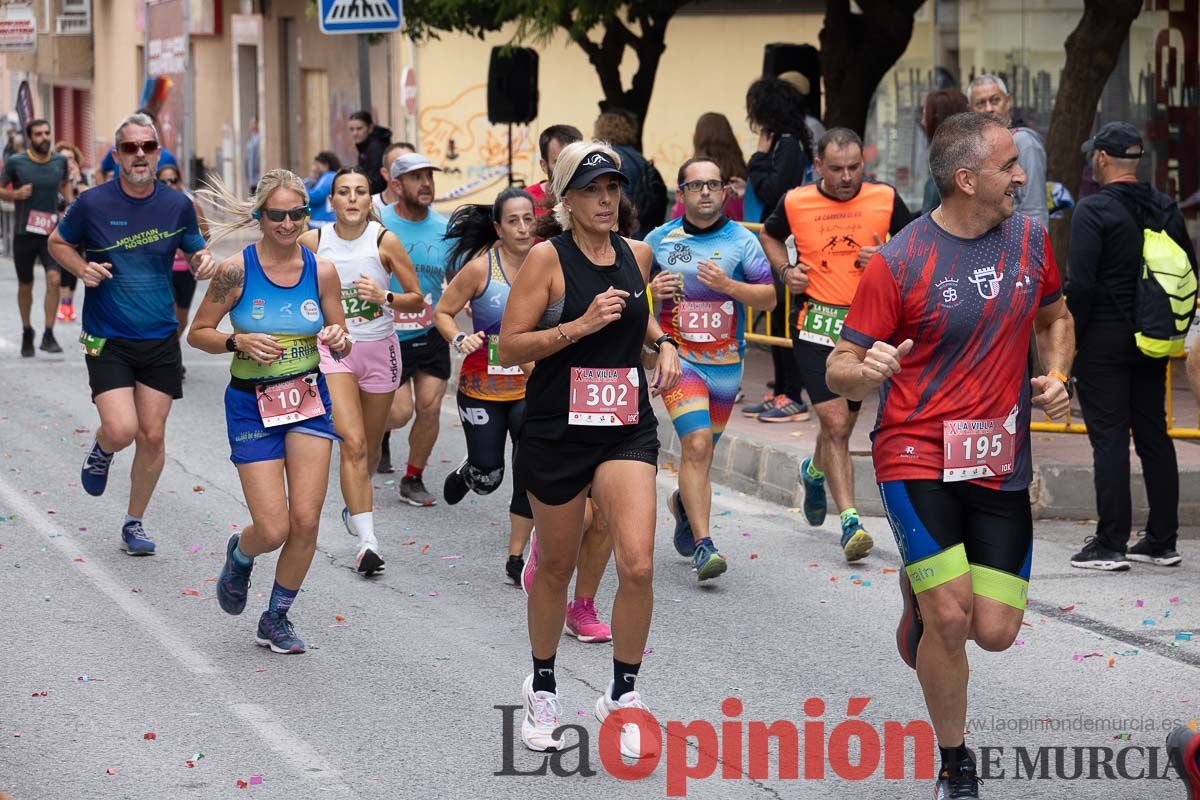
[{"x": 650, "y": 198}]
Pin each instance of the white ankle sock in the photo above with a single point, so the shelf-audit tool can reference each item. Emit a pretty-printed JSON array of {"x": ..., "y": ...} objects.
[{"x": 364, "y": 525}]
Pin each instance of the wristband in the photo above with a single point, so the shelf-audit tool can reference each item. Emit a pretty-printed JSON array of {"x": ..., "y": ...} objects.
[
  {"x": 564, "y": 335},
  {"x": 1056, "y": 374}
]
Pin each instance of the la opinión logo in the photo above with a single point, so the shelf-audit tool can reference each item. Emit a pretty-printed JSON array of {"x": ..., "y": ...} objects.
[{"x": 852, "y": 750}]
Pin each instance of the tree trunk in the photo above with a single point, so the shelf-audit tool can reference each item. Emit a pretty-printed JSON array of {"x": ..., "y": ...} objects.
[
  {"x": 1092, "y": 51},
  {"x": 606, "y": 57},
  {"x": 857, "y": 50}
]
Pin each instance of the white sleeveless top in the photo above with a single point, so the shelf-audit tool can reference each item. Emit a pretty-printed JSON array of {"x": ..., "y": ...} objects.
[{"x": 365, "y": 321}]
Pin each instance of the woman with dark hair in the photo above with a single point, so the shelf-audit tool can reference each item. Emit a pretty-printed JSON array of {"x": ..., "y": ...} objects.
[
  {"x": 775, "y": 109},
  {"x": 714, "y": 139},
  {"x": 939, "y": 107},
  {"x": 493, "y": 242},
  {"x": 320, "y": 185},
  {"x": 182, "y": 280},
  {"x": 366, "y": 256}
]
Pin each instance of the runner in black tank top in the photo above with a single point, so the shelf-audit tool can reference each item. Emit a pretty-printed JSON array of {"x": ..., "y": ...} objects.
[{"x": 579, "y": 310}]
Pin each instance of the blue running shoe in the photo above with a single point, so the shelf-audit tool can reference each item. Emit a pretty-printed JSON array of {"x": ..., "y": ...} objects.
[
  {"x": 856, "y": 542},
  {"x": 276, "y": 632},
  {"x": 814, "y": 495},
  {"x": 137, "y": 543},
  {"x": 685, "y": 543},
  {"x": 94, "y": 476},
  {"x": 234, "y": 583},
  {"x": 707, "y": 562}
]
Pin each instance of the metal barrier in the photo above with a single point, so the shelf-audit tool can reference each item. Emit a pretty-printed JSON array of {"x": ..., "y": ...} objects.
[{"x": 769, "y": 337}]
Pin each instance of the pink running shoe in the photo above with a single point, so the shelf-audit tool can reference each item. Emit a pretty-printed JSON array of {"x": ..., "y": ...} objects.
[
  {"x": 583, "y": 624},
  {"x": 530, "y": 564}
]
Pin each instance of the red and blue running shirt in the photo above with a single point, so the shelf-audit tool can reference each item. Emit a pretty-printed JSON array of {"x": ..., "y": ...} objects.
[{"x": 968, "y": 305}]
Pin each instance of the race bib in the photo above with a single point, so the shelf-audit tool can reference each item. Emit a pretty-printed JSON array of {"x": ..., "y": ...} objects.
[
  {"x": 41, "y": 222},
  {"x": 92, "y": 345},
  {"x": 416, "y": 320},
  {"x": 706, "y": 320},
  {"x": 494, "y": 368},
  {"x": 979, "y": 448},
  {"x": 603, "y": 397},
  {"x": 289, "y": 401},
  {"x": 358, "y": 311},
  {"x": 821, "y": 323}
]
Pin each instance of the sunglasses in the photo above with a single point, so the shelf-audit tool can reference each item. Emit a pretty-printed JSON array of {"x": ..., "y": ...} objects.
[
  {"x": 280, "y": 214},
  {"x": 132, "y": 148},
  {"x": 170, "y": 181}
]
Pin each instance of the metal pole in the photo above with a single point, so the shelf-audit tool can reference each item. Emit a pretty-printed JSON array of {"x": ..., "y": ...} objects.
[
  {"x": 510, "y": 172},
  {"x": 364, "y": 73}
]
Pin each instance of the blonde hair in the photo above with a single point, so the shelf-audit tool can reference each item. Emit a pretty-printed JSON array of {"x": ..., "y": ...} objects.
[
  {"x": 239, "y": 214},
  {"x": 564, "y": 169}
]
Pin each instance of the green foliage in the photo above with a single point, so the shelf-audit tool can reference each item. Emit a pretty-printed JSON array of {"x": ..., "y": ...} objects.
[{"x": 536, "y": 20}]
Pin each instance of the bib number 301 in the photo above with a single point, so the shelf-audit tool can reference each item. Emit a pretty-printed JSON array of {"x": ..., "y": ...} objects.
[
  {"x": 603, "y": 397},
  {"x": 289, "y": 401},
  {"x": 979, "y": 448}
]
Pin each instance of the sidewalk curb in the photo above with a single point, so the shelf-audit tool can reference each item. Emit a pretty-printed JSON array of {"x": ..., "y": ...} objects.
[{"x": 1058, "y": 491}]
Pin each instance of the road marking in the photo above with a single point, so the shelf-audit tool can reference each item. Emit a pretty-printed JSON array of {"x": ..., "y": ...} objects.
[{"x": 302, "y": 757}]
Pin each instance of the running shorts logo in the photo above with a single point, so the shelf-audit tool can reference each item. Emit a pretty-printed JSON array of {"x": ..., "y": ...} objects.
[
  {"x": 258, "y": 309},
  {"x": 310, "y": 310},
  {"x": 473, "y": 416}
]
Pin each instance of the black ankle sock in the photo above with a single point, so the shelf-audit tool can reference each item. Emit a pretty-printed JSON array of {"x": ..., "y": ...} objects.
[
  {"x": 543, "y": 675},
  {"x": 387, "y": 442},
  {"x": 954, "y": 755},
  {"x": 624, "y": 677}
]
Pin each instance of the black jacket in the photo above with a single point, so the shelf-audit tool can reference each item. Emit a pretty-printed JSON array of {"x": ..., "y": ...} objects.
[
  {"x": 773, "y": 174},
  {"x": 370, "y": 156},
  {"x": 1106, "y": 250}
]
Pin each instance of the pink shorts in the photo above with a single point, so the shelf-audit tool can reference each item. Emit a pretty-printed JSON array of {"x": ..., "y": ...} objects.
[{"x": 376, "y": 365}]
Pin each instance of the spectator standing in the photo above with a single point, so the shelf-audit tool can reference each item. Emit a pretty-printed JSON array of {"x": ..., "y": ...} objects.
[
  {"x": 371, "y": 140},
  {"x": 988, "y": 93},
  {"x": 319, "y": 185},
  {"x": 1121, "y": 388},
  {"x": 253, "y": 156},
  {"x": 775, "y": 109},
  {"x": 798, "y": 79},
  {"x": 939, "y": 107}
]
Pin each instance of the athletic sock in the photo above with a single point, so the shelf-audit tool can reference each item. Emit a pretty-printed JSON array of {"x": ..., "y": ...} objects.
[
  {"x": 128, "y": 519},
  {"x": 364, "y": 525},
  {"x": 848, "y": 514},
  {"x": 954, "y": 755},
  {"x": 413, "y": 472},
  {"x": 624, "y": 677},
  {"x": 281, "y": 599},
  {"x": 240, "y": 558},
  {"x": 813, "y": 472},
  {"x": 543, "y": 675}
]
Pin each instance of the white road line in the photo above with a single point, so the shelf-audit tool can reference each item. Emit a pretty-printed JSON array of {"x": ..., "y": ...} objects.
[{"x": 302, "y": 757}]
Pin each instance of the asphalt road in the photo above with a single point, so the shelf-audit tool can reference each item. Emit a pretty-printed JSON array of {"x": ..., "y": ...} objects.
[{"x": 397, "y": 700}]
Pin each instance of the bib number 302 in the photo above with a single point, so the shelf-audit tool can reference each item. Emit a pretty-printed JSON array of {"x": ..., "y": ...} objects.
[
  {"x": 604, "y": 397},
  {"x": 978, "y": 448}
]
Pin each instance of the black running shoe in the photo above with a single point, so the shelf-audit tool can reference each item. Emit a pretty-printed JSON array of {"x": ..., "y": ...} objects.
[
  {"x": 49, "y": 343},
  {"x": 1148, "y": 552},
  {"x": 959, "y": 781},
  {"x": 1096, "y": 556},
  {"x": 455, "y": 488},
  {"x": 514, "y": 567},
  {"x": 369, "y": 562}
]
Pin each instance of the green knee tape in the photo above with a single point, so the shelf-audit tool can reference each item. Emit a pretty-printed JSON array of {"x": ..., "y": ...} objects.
[{"x": 937, "y": 569}]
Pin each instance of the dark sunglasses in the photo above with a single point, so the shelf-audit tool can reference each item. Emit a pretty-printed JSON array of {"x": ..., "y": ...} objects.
[
  {"x": 170, "y": 181},
  {"x": 279, "y": 214},
  {"x": 132, "y": 148}
]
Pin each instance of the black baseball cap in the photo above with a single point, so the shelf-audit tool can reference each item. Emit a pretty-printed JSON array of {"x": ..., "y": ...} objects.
[
  {"x": 1115, "y": 138},
  {"x": 592, "y": 166}
]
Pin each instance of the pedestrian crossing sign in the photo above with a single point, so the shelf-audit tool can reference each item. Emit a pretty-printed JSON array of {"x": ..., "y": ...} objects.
[{"x": 360, "y": 16}]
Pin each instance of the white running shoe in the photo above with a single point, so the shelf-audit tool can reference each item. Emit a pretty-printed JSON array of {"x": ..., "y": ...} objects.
[
  {"x": 541, "y": 718},
  {"x": 631, "y": 738}
]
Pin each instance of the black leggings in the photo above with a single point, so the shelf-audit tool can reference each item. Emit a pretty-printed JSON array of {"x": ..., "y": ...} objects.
[{"x": 486, "y": 423}]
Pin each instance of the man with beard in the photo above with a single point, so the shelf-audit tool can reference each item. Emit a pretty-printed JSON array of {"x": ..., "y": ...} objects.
[
  {"x": 424, "y": 354},
  {"x": 129, "y": 230},
  {"x": 839, "y": 222},
  {"x": 551, "y": 141},
  {"x": 36, "y": 178}
]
